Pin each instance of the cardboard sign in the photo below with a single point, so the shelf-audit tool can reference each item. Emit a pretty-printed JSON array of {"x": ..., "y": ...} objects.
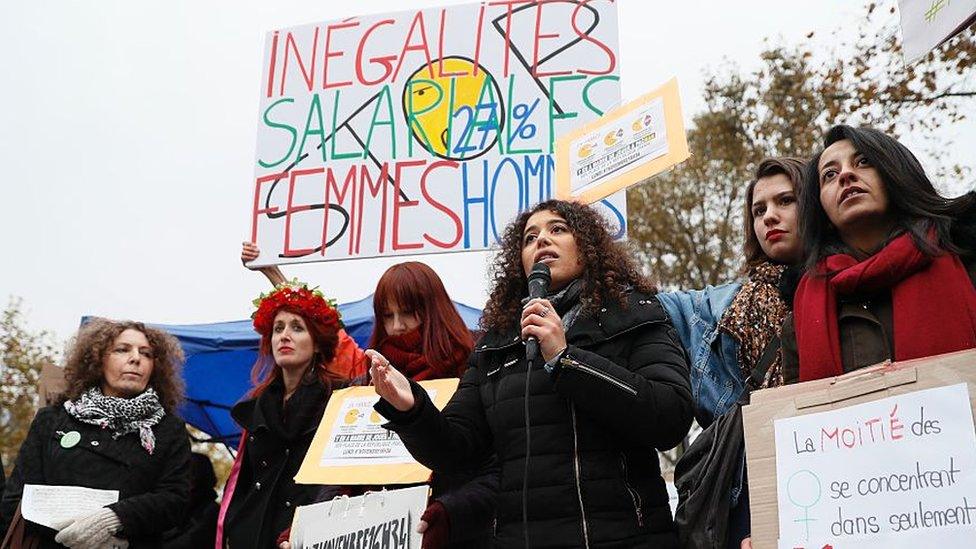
[
  {"x": 628, "y": 145},
  {"x": 352, "y": 447},
  {"x": 876, "y": 471},
  {"x": 378, "y": 520},
  {"x": 927, "y": 23},
  {"x": 422, "y": 131},
  {"x": 880, "y": 457}
]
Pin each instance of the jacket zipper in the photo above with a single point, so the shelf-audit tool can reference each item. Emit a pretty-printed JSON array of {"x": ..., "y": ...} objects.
[
  {"x": 573, "y": 364},
  {"x": 576, "y": 470},
  {"x": 634, "y": 496}
]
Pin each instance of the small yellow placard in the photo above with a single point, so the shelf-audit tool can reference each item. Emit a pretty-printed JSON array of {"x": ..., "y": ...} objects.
[
  {"x": 352, "y": 447},
  {"x": 623, "y": 147}
]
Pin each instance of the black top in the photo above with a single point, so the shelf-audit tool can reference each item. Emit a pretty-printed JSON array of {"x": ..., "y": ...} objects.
[
  {"x": 153, "y": 488},
  {"x": 278, "y": 436},
  {"x": 621, "y": 393}
]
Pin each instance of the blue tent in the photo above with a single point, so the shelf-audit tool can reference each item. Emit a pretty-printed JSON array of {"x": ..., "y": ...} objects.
[{"x": 219, "y": 357}]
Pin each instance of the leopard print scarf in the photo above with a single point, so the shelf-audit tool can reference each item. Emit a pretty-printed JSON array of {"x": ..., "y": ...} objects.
[{"x": 755, "y": 315}]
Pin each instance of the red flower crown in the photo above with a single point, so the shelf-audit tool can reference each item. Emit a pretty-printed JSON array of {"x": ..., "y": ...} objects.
[{"x": 310, "y": 303}]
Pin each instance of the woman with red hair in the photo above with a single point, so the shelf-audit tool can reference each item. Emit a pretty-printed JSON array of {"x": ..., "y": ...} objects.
[
  {"x": 421, "y": 333},
  {"x": 417, "y": 326},
  {"x": 292, "y": 383}
]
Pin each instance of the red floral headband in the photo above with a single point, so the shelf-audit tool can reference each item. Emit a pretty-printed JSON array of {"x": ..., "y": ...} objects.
[{"x": 310, "y": 303}]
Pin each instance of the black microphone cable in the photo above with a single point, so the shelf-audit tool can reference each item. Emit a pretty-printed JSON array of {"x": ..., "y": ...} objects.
[
  {"x": 525, "y": 471},
  {"x": 538, "y": 283}
]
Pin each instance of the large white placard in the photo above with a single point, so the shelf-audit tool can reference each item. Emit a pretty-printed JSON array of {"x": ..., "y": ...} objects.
[
  {"x": 927, "y": 23},
  {"x": 888, "y": 473},
  {"x": 423, "y": 131}
]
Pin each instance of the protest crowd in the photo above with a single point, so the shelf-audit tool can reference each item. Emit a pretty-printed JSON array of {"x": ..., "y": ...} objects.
[{"x": 582, "y": 370}]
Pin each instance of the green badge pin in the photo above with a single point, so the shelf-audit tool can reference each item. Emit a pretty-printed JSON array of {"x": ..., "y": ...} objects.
[{"x": 70, "y": 439}]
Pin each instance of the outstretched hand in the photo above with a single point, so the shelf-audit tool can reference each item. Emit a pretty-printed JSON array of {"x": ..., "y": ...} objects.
[{"x": 390, "y": 384}]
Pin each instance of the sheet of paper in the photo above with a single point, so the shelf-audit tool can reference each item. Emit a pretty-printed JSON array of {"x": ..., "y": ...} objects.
[
  {"x": 626, "y": 146},
  {"x": 615, "y": 148},
  {"x": 454, "y": 142},
  {"x": 352, "y": 447},
  {"x": 52, "y": 506},
  {"x": 879, "y": 474},
  {"x": 358, "y": 435}
]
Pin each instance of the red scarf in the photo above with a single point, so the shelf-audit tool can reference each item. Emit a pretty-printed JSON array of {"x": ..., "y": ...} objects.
[
  {"x": 933, "y": 303},
  {"x": 405, "y": 354}
]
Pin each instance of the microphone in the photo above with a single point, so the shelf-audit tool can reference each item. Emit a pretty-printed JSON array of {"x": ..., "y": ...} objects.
[{"x": 539, "y": 280}]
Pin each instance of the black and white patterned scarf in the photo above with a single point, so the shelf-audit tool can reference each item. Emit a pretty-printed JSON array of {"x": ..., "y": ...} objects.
[{"x": 120, "y": 415}]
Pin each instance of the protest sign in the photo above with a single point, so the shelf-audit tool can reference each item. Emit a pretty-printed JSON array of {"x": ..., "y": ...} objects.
[
  {"x": 628, "y": 145},
  {"x": 352, "y": 447},
  {"x": 376, "y": 520},
  {"x": 422, "y": 131},
  {"x": 927, "y": 23},
  {"x": 871, "y": 471},
  {"x": 881, "y": 457}
]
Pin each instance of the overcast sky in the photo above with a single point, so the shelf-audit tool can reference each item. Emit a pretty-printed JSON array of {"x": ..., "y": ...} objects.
[{"x": 127, "y": 135}]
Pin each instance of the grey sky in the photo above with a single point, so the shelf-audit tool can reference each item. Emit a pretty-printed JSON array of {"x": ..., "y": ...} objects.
[{"x": 127, "y": 137}]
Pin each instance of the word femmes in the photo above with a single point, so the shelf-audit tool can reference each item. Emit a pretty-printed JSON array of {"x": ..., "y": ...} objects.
[
  {"x": 463, "y": 205},
  {"x": 375, "y": 60}
]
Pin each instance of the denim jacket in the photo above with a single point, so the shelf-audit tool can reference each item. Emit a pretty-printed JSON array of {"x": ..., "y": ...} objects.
[{"x": 716, "y": 381}]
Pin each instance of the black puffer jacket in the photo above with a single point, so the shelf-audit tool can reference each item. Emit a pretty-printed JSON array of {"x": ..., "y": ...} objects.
[
  {"x": 621, "y": 392},
  {"x": 153, "y": 488}
]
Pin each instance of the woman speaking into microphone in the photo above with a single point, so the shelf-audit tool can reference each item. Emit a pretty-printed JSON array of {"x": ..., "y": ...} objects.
[{"x": 576, "y": 430}]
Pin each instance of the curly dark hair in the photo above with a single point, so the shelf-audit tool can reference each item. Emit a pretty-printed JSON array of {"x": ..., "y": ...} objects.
[
  {"x": 609, "y": 268},
  {"x": 83, "y": 365}
]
